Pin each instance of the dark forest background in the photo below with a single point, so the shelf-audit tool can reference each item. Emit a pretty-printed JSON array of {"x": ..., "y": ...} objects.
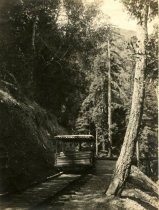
[{"x": 54, "y": 80}]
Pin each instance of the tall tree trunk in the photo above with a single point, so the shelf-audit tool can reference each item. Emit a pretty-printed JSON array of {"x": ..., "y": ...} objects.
[
  {"x": 103, "y": 101},
  {"x": 96, "y": 142},
  {"x": 32, "y": 81},
  {"x": 109, "y": 104},
  {"x": 124, "y": 161},
  {"x": 34, "y": 33},
  {"x": 138, "y": 153}
]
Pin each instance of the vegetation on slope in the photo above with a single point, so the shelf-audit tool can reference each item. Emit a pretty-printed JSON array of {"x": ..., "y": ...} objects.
[{"x": 26, "y": 132}]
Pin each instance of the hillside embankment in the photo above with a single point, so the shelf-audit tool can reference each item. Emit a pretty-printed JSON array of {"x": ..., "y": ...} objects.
[{"x": 26, "y": 147}]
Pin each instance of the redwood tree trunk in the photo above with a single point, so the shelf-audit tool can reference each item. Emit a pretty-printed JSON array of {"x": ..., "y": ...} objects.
[{"x": 123, "y": 164}]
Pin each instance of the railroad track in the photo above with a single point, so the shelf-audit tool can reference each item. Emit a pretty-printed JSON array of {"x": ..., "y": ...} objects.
[{"x": 39, "y": 193}]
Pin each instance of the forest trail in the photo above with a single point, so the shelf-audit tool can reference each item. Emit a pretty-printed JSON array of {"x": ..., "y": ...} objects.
[
  {"x": 80, "y": 194},
  {"x": 68, "y": 191}
]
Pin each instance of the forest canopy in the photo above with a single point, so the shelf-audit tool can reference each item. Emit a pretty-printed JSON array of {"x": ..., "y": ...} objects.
[{"x": 56, "y": 54}]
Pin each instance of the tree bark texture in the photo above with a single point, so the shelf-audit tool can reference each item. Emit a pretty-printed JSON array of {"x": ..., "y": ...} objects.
[{"x": 123, "y": 164}]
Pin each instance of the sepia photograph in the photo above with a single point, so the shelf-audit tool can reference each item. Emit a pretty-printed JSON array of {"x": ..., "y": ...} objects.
[{"x": 79, "y": 101}]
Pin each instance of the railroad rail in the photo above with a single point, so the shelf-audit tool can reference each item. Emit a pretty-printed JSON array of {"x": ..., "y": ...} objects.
[{"x": 39, "y": 193}]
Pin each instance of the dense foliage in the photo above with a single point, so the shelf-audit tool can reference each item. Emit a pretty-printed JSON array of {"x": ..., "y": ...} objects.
[
  {"x": 93, "y": 116},
  {"x": 55, "y": 53},
  {"x": 134, "y": 7}
]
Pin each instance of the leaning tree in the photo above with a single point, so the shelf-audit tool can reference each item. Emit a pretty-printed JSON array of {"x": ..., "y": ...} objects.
[{"x": 143, "y": 11}]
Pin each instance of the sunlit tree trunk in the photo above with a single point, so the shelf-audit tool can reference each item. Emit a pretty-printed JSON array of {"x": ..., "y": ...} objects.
[
  {"x": 124, "y": 161},
  {"x": 96, "y": 142},
  {"x": 103, "y": 101},
  {"x": 109, "y": 104},
  {"x": 137, "y": 154}
]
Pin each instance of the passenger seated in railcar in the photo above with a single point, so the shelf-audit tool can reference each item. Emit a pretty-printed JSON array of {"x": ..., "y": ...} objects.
[{"x": 74, "y": 150}]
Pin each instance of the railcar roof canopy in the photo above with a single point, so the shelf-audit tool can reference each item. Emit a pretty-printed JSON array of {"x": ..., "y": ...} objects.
[{"x": 72, "y": 137}]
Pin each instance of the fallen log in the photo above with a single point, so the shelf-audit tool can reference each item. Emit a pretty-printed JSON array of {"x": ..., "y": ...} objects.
[
  {"x": 142, "y": 181},
  {"x": 136, "y": 193}
]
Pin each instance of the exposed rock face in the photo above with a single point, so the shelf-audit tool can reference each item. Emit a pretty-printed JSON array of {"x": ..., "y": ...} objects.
[{"x": 25, "y": 139}]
